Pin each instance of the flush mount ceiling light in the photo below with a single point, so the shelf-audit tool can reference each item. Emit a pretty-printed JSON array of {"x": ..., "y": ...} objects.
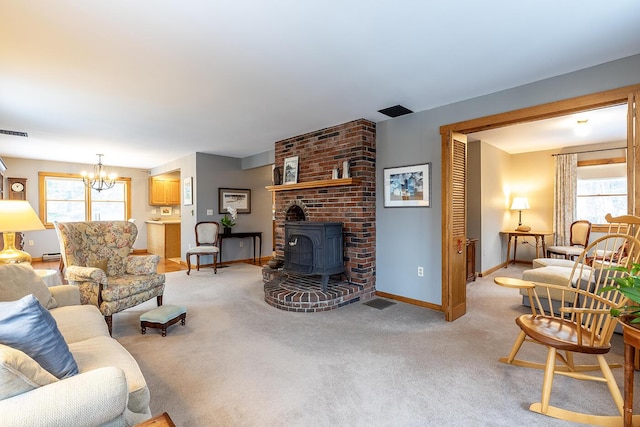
[
  {"x": 395, "y": 111},
  {"x": 99, "y": 179},
  {"x": 582, "y": 127}
]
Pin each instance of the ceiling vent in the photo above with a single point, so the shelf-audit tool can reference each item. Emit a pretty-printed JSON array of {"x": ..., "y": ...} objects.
[
  {"x": 395, "y": 111},
  {"x": 13, "y": 133}
]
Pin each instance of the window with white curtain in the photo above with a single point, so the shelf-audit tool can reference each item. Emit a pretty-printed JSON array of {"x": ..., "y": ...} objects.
[{"x": 601, "y": 189}]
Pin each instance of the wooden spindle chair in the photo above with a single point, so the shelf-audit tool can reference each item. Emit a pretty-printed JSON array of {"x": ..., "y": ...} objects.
[{"x": 579, "y": 321}]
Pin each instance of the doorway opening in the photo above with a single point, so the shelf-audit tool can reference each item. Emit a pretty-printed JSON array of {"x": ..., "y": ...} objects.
[{"x": 454, "y": 286}]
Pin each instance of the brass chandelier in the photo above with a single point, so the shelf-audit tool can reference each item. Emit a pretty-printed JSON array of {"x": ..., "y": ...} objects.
[{"x": 99, "y": 179}]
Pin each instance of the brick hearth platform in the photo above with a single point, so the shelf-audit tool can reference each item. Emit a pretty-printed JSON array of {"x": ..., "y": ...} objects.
[{"x": 304, "y": 294}]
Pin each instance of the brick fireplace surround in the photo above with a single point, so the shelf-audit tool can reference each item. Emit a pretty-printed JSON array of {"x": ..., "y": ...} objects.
[{"x": 351, "y": 203}]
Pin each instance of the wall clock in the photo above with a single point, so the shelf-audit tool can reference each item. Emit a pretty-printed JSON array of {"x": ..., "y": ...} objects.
[{"x": 17, "y": 188}]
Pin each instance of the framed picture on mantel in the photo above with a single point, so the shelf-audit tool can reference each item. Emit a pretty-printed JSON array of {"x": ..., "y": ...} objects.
[{"x": 291, "y": 170}]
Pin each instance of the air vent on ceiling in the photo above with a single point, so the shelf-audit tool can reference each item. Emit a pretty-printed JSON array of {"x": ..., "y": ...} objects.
[
  {"x": 13, "y": 132},
  {"x": 395, "y": 111}
]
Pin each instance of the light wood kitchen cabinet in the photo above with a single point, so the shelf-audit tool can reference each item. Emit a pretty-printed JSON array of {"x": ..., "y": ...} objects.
[
  {"x": 163, "y": 239},
  {"x": 164, "y": 192}
]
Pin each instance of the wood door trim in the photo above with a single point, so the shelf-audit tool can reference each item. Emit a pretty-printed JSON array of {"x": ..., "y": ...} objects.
[
  {"x": 595, "y": 162},
  {"x": 543, "y": 111},
  {"x": 633, "y": 151},
  {"x": 523, "y": 115},
  {"x": 447, "y": 233}
]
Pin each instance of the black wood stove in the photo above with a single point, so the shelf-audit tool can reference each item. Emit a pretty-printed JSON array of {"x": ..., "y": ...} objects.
[{"x": 314, "y": 248}]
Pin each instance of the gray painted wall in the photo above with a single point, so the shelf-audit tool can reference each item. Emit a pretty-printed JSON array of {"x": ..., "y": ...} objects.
[
  {"x": 210, "y": 172},
  {"x": 411, "y": 237},
  {"x": 215, "y": 172},
  {"x": 258, "y": 160}
]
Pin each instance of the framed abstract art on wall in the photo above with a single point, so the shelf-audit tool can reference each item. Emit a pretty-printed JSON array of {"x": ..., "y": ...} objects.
[{"x": 407, "y": 186}]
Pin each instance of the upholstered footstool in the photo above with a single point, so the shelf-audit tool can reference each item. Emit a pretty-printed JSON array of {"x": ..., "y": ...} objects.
[{"x": 163, "y": 317}]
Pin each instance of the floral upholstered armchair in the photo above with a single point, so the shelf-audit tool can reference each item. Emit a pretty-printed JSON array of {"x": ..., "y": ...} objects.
[{"x": 97, "y": 258}]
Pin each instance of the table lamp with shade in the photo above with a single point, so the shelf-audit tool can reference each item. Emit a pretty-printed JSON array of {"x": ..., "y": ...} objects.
[
  {"x": 16, "y": 216},
  {"x": 520, "y": 204}
]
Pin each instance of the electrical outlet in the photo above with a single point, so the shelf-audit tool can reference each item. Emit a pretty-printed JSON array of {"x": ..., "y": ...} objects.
[
  {"x": 153, "y": 211},
  {"x": 420, "y": 271},
  {"x": 209, "y": 211},
  {"x": 241, "y": 244},
  {"x": 30, "y": 242}
]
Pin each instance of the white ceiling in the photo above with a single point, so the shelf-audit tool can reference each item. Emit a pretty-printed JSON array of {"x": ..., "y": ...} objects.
[
  {"x": 605, "y": 125},
  {"x": 148, "y": 81}
]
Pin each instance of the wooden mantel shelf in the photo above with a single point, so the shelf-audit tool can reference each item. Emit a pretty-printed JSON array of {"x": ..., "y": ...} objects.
[{"x": 315, "y": 184}]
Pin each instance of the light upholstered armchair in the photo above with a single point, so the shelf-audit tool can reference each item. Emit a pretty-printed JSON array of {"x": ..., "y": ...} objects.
[
  {"x": 97, "y": 258},
  {"x": 579, "y": 233}
]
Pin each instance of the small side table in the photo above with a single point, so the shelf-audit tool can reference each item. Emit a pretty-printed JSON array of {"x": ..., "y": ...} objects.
[
  {"x": 242, "y": 235},
  {"x": 538, "y": 235},
  {"x": 162, "y": 420}
]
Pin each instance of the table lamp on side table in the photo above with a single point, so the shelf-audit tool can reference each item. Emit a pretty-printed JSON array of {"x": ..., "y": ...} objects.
[
  {"x": 16, "y": 216},
  {"x": 520, "y": 204}
]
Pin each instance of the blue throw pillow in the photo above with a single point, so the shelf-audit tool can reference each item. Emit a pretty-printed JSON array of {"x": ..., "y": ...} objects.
[{"x": 29, "y": 327}]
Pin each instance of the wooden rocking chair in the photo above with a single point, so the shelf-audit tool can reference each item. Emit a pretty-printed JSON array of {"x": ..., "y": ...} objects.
[{"x": 579, "y": 321}]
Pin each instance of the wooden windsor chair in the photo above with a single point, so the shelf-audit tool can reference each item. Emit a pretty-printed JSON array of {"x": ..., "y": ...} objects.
[{"x": 576, "y": 320}]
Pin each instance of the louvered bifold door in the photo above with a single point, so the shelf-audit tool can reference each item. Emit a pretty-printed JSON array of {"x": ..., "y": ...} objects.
[{"x": 454, "y": 203}]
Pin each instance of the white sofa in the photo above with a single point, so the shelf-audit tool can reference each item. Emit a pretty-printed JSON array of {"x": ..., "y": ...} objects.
[
  {"x": 555, "y": 271},
  {"x": 109, "y": 388}
]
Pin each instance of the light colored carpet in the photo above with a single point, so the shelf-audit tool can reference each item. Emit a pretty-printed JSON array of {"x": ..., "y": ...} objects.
[{"x": 241, "y": 362}]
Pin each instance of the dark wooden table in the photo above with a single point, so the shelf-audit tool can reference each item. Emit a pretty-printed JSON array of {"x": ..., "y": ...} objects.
[
  {"x": 242, "y": 235},
  {"x": 538, "y": 235}
]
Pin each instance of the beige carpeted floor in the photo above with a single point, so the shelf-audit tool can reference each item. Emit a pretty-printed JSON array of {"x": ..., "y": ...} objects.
[{"x": 241, "y": 362}]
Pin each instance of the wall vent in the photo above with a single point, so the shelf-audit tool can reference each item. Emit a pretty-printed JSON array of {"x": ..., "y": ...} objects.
[
  {"x": 13, "y": 133},
  {"x": 395, "y": 111}
]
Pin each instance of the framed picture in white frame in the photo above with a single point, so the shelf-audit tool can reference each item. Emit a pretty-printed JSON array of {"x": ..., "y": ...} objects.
[
  {"x": 187, "y": 191},
  {"x": 407, "y": 186},
  {"x": 291, "y": 170}
]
